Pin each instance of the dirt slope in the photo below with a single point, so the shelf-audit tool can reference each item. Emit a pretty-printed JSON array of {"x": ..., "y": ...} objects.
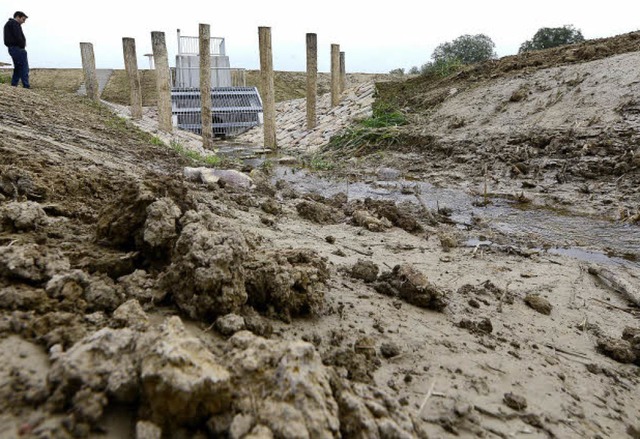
[{"x": 562, "y": 123}]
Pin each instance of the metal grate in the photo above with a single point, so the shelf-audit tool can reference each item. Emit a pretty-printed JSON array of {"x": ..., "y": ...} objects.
[{"x": 234, "y": 109}]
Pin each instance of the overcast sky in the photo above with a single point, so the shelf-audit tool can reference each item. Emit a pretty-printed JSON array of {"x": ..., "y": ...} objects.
[{"x": 376, "y": 36}]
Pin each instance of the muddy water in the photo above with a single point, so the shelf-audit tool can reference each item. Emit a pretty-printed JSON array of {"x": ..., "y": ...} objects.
[{"x": 584, "y": 238}]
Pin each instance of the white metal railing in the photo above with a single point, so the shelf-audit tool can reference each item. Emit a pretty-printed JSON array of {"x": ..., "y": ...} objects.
[{"x": 191, "y": 45}]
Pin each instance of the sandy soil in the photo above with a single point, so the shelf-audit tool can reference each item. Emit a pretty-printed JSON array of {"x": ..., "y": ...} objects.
[{"x": 140, "y": 300}]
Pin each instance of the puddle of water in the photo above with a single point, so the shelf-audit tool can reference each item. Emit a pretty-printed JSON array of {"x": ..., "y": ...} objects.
[
  {"x": 572, "y": 252},
  {"x": 580, "y": 237}
]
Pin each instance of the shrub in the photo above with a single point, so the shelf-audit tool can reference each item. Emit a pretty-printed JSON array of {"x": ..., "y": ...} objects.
[
  {"x": 548, "y": 37},
  {"x": 467, "y": 49}
]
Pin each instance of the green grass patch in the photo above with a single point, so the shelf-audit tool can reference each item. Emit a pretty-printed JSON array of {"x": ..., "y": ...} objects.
[
  {"x": 209, "y": 160},
  {"x": 384, "y": 115},
  {"x": 155, "y": 140},
  {"x": 319, "y": 163},
  {"x": 379, "y": 130}
]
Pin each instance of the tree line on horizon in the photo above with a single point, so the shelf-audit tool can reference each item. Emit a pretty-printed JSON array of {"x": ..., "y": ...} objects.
[{"x": 470, "y": 49}]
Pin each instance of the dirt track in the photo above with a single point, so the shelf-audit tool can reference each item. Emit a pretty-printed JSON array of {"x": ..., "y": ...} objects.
[{"x": 134, "y": 300}]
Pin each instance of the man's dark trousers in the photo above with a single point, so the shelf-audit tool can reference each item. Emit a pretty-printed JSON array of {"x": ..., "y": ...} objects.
[{"x": 20, "y": 66}]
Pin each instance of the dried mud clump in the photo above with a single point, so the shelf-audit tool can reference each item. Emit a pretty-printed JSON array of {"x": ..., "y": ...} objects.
[
  {"x": 145, "y": 218},
  {"x": 206, "y": 276},
  {"x": 78, "y": 291},
  {"x": 623, "y": 350},
  {"x": 516, "y": 402},
  {"x": 17, "y": 182},
  {"x": 365, "y": 270},
  {"x": 409, "y": 284},
  {"x": 141, "y": 286},
  {"x": 538, "y": 303},
  {"x": 22, "y": 217},
  {"x": 400, "y": 216},
  {"x": 182, "y": 381},
  {"x": 303, "y": 398},
  {"x": 178, "y": 386},
  {"x": 319, "y": 213},
  {"x": 99, "y": 367},
  {"x": 482, "y": 326},
  {"x": 358, "y": 363},
  {"x": 31, "y": 263},
  {"x": 287, "y": 283},
  {"x": 365, "y": 219}
]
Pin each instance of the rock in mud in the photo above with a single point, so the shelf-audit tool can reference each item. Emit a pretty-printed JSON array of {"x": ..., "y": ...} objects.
[
  {"x": 287, "y": 282},
  {"x": 182, "y": 381},
  {"x": 230, "y": 324},
  {"x": 22, "y": 217},
  {"x": 31, "y": 263},
  {"x": 319, "y": 213},
  {"x": 538, "y": 303},
  {"x": 230, "y": 177},
  {"x": 206, "y": 277},
  {"x": 364, "y": 219},
  {"x": 411, "y": 285},
  {"x": 212, "y": 177},
  {"x": 365, "y": 270},
  {"x": 516, "y": 402}
]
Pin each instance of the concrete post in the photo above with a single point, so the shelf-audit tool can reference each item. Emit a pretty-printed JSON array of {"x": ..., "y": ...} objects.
[
  {"x": 163, "y": 81},
  {"x": 335, "y": 74},
  {"x": 205, "y": 86},
  {"x": 312, "y": 80},
  {"x": 343, "y": 73},
  {"x": 89, "y": 69},
  {"x": 268, "y": 98},
  {"x": 131, "y": 66}
]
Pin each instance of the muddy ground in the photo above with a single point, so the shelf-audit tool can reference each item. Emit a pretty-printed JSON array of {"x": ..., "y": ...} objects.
[{"x": 142, "y": 299}]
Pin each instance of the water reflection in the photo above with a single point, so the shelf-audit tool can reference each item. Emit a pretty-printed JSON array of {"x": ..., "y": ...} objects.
[{"x": 583, "y": 238}]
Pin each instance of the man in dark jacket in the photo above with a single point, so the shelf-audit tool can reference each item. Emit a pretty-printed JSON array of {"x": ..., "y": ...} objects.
[{"x": 14, "y": 39}]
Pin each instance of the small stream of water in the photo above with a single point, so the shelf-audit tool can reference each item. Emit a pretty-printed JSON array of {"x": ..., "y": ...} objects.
[{"x": 583, "y": 238}]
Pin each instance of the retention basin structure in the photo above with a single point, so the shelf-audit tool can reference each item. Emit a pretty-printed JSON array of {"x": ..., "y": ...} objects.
[{"x": 235, "y": 108}]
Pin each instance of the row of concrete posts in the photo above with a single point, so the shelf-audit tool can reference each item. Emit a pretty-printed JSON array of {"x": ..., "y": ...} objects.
[{"x": 163, "y": 80}]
